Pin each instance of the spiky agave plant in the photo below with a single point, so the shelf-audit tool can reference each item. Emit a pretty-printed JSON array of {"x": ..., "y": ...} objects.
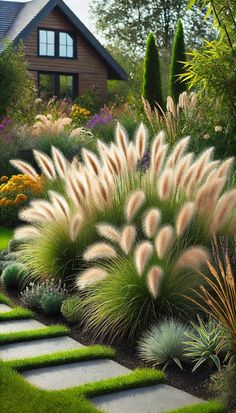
[{"x": 95, "y": 190}]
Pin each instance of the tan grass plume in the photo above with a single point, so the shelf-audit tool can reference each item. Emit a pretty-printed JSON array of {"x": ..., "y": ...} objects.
[
  {"x": 143, "y": 253},
  {"x": 134, "y": 203},
  {"x": 193, "y": 258},
  {"x": 184, "y": 218},
  {"x": 151, "y": 221},
  {"x": 25, "y": 168},
  {"x": 154, "y": 277},
  {"x": 46, "y": 164},
  {"x": 127, "y": 239},
  {"x": 165, "y": 184},
  {"x": 60, "y": 162},
  {"x": 99, "y": 250},
  {"x": 141, "y": 141},
  {"x": 164, "y": 240},
  {"x": 109, "y": 232},
  {"x": 91, "y": 276}
]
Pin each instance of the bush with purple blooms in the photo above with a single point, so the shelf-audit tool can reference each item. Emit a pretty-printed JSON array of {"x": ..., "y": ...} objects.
[
  {"x": 102, "y": 118},
  {"x": 5, "y": 129}
]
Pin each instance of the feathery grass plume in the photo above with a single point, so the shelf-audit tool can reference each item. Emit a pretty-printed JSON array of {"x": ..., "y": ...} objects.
[
  {"x": 165, "y": 184},
  {"x": 127, "y": 238},
  {"x": 177, "y": 153},
  {"x": 46, "y": 164},
  {"x": 208, "y": 194},
  {"x": 44, "y": 207},
  {"x": 154, "y": 277},
  {"x": 223, "y": 211},
  {"x": 224, "y": 169},
  {"x": 131, "y": 156},
  {"x": 99, "y": 250},
  {"x": 141, "y": 141},
  {"x": 193, "y": 258},
  {"x": 60, "y": 204},
  {"x": 181, "y": 169},
  {"x": 156, "y": 146},
  {"x": 26, "y": 232},
  {"x": 151, "y": 221},
  {"x": 25, "y": 168},
  {"x": 143, "y": 253},
  {"x": 100, "y": 194},
  {"x": 91, "y": 161},
  {"x": 74, "y": 191},
  {"x": 121, "y": 140},
  {"x": 111, "y": 163},
  {"x": 31, "y": 215},
  {"x": 164, "y": 240},
  {"x": 109, "y": 232},
  {"x": 118, "y": 157},
  {"x": 207, "y": 169},
  {"x": 199, "y": 165},
  {"x": 158, "y": 161},
  {"x": 184, "y": 218},
  {"x": 75, "y": 225},
  {"x": 91, "y": 276},
  {"x": 60, "y": 162},
  {"x": 133, "y": 205}
]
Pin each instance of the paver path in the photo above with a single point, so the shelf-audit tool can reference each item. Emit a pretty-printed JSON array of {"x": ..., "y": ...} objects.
[{"x": 149, "y": 399}]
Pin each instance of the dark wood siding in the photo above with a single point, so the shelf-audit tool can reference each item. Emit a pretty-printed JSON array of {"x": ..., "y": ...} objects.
[{"x": 90, "y": 67}]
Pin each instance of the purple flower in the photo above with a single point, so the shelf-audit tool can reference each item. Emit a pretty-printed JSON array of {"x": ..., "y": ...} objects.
[{"x": 101, "y": 118}]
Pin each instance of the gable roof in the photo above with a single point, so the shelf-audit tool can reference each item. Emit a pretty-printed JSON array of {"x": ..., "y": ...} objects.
[{"x": 17, "y": 20}]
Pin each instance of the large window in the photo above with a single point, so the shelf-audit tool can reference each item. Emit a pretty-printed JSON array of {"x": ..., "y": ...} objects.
[
  {"x": 46, "y": 43},
  {"x": 62, "y": 85},
  {"x": 56, "y": 43}
]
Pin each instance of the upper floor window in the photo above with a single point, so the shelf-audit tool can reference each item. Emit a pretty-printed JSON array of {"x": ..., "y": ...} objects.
[
  {"x": 56, "y": 43},
  {"x": 46, "y": 43}
]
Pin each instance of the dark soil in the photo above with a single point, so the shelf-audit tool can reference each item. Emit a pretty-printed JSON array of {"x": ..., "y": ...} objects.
[{"x": 196, "y": 383}]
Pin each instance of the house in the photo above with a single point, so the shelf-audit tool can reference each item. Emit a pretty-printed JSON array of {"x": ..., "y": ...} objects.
[{"x": 63, "y": 56}]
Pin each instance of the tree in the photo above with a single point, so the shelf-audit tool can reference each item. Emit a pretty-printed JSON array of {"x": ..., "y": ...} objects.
[
  {"x": 152, "y": 90},
  {"x": 176, "y": 86},
  {"x": 17, "y": 88},
  {"x": 128, "y": 22}
]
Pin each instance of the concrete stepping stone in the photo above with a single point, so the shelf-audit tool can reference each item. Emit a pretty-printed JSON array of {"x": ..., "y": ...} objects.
[
  {"x": 74, "y": 374},
  {"x": 4, "y": 308},
  {"x": 19, "y": 325},
  {"x": 34, "y": 348},
  {"x": 152, "y": 399}
]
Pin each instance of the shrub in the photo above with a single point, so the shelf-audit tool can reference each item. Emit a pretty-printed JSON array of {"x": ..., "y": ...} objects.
[
  {"x": 152, "y": 90},
  {"x": 57, "y": 243},
  {"x": 51, "y": 303},
  {"x": 204, "y": 343},
  {"x": 17, "y": 88},
  {"x": 35, "y": 295},
  {"x": 164, "y": 344},
  {"x": 176, "y": 87},
  {"x": 223, "y": 384},
  {"x": 72, "y": 309},
  {"x": 13, "y": 275}
]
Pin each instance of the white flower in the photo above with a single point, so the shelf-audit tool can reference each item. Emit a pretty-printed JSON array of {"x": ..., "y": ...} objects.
[
  {"x": 218, "y": 129},
  {"x": 206, "y": 136}
]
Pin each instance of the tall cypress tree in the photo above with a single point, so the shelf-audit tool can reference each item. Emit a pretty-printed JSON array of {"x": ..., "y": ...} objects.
[
  {"x": 176, "y": 86},
  {"x": 152, "y": 90}
]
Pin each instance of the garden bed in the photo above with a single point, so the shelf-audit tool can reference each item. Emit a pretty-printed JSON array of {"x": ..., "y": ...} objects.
[{"x": 196, "y": 383}]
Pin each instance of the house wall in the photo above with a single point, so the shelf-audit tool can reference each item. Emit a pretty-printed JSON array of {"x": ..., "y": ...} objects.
[{"x": 88, "y": 65}]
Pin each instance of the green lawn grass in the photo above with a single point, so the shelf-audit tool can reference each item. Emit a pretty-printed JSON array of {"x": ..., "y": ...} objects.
[
  {"x": 4, "y": 299},
  {"x": 46, "y": 332},
  {"x": 19, "y": 396},
  {"x": 5, "y": 236},
  {"x": 16, "y": 313},
  {"x": 63, "y": 357}
]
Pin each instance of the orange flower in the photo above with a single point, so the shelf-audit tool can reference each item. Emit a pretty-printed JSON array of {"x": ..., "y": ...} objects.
[{"x": 21, "y": 198}]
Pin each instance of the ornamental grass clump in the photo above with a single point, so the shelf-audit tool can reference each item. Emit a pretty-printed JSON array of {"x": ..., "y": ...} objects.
[
  {"x": 166, "y": 207},
  {"x": 163, "y": 344}
]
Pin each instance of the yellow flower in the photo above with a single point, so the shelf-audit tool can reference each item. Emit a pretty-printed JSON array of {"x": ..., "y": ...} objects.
[{"x": 4, "y": 178}]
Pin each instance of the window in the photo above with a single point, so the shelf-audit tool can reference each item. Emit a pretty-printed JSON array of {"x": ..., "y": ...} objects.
[
  {"x": 66, "y": 45},
  {"x": 56, "y": 43},
  {"x": 46, "y": 43},
  {"x": 62, "y": 85}
]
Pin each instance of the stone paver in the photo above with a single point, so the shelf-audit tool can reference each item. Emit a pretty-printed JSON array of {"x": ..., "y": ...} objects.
[
  {"x": 151, "y": 399},
  {"x": 36, "y": 348},
  {"x": 75, "y": 374},
  {"x": 19, "y": 325},
  {"x": 4, "y": 308}
]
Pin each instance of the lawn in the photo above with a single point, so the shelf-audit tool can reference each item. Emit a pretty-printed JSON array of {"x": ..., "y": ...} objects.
[{"x": 5, "y": 237}]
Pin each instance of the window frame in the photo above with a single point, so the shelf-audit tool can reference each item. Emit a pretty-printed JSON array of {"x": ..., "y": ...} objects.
[
  {"x": 75, "y": 91},
  {"x": 57, "y": 44}
]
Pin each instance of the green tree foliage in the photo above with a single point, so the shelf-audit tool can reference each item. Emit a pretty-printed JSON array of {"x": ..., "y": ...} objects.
[
  {"x": 152, "y": 90},
  {"x": 17, "y": 88},
  {"x": 176, "y": 86},
  {"x": 128, "y": 22}
]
